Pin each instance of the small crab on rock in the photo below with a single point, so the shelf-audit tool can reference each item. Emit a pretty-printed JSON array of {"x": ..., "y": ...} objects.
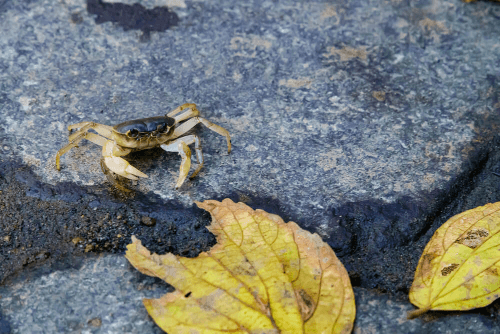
[{"x": 142, "y": 134}]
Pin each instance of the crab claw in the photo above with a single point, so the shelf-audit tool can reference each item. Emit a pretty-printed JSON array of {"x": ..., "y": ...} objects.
[
  {"x": 122, "y": 167},
  {"x": 185, "y": 153},
  {"x": 119, "y": 165}
]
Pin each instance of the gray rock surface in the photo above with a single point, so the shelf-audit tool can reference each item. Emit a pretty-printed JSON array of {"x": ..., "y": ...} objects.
[
  {"x": 103, "y": 295},
  {"x": 369, "y": 123},
  {"x": 380, "y": 313},
  {"x": 348, "y": 103}
]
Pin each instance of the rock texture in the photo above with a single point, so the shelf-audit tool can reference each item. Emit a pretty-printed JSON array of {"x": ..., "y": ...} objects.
[{"x": 367, "y": 122}]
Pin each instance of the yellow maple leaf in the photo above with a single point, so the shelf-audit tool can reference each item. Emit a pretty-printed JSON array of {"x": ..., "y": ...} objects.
[
  {"x": 459, "y": 268},
  {"x": 262, "y": 276}
]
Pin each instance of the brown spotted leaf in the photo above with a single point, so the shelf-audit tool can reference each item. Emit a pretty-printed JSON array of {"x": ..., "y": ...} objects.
[
  {"x": 460, "y": 266},
  {"x": 262, "y": 276}
]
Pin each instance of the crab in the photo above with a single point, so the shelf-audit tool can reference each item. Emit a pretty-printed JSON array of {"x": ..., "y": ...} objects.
[{"x": 142, "y": 134}]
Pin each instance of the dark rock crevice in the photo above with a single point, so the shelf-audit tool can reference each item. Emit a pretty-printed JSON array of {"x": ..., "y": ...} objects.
[
  {"x": 134, "y": 16},
  {"x": 42, "y": 222}
]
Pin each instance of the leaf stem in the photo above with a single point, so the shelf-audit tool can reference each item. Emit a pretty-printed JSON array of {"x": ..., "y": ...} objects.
[{"x": 417, "y": 313}]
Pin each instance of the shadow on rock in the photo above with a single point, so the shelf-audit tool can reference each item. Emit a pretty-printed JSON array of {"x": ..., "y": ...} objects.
[{"x": 134, "y": 16}]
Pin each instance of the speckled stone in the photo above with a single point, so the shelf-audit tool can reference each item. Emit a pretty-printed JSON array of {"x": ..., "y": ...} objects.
[
  {"x": 103, "y": 295},
  {"x": 344, "y": 102},
  {"x": 361, "y": 109},
  {"x": 380, "y": 313}
]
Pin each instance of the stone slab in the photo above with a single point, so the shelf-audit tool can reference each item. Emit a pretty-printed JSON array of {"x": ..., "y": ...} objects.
[{"x": 367, "y": 122}]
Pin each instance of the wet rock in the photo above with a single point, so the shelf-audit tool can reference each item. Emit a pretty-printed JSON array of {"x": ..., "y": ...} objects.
[
  {"x": 368, "y": 123},
  {"x": 148, "y": 221}
]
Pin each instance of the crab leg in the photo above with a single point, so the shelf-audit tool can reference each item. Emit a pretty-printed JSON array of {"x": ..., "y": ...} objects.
[
  {"x": 189, "y": 124},
  {"x": 96, "y": 139},
  {"x": 199, "y": 155},
  {"x": 103, "y": 130},
  {"x": 185, "y": 152},
  {"x": 111, "y": 153},
  {"x": 180, "y": 108}
]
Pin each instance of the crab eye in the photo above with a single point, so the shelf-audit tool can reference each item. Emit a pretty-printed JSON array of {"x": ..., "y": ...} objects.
[
  {"x": 160, "y": 127},
  {"x": 132, "y": 133}
]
